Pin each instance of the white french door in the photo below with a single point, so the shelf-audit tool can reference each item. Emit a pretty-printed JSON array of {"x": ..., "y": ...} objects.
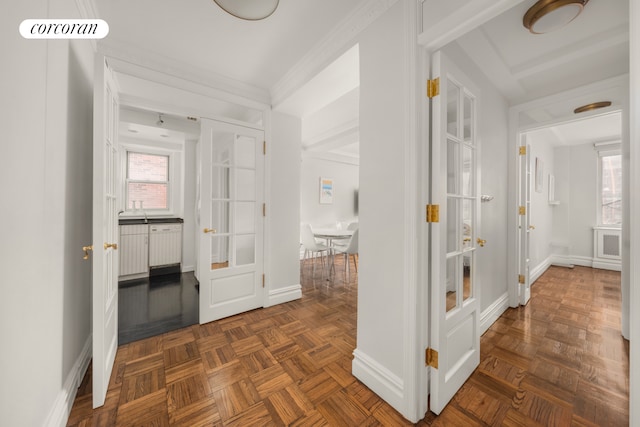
[
  {"x": 455, "y": 309},
  {"x": 231, "y": 220},
  {"x": 105, "y": 229},
  {"x": 524, "y": 224}
]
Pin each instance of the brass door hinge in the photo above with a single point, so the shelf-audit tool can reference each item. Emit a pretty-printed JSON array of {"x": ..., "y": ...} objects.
[
  {"x": 263, "y": 280},
  {"x": 433, "y": 213},
  {"x": 264, "y": 147},
  {"x": 433, "y": 87},
  {"x": 522, "y": 210},
  {"x": 431, "y": 358},
  {"x": 523, "y": 150},
  {"x": 521, "y": 279},
  {"x": 264, "y": 209}
]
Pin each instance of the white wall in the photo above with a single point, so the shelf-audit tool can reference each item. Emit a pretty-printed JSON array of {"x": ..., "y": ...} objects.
[
  {"x": 45, "y": 176},
  {"x": 493, "y": 122},
  {"x": 576, "y": 189},
  {"x": 542, "y": 213},
  {"x": 283, "y": 209},
  {"x": 382, "y": 196},
  {"x": 345, "y": 183}
]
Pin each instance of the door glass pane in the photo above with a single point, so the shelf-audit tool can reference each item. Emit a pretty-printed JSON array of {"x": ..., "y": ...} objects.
[
  {"x": 452, "y": 225},
  {"x": 467, "y": 169},
  {"x": 453, "y": 95},
  {"x": 222, "y": 150},
  {"x": 245, "y": 184},
  {"x": 220, "y": 214},
  {"x": 452, "y": 167},
  {"x": 467, "y": 285},
  {"x": 245, "y": 151},
  {"x": 468, "y": 119},
  {"x": 220, "y": 182},
  {"x": 245, "y": 249},
  {"x": 451, "y": 283},
  {"x": 467, "y": 222},
  {"x": 219, "y": 252},
  {"x": 245, "y": 217}
]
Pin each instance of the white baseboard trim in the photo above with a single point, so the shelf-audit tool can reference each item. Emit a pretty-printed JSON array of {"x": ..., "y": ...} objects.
[
  {"x": 188, "y": 268},
  {"x": 571, "y": 260},
  {"x": 383, "y": 382},
  {"x": 282, "y": 295},
  {"x": 607, "y": 265},
  {"x": 59, "y": 414},
  {"x": 493, "y": 312},
  {"x": 539, "y": 269}
]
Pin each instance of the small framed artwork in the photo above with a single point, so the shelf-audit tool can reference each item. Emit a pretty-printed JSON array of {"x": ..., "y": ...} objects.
[
  {"x": 326, "y": 191},
  {"x": 539, "y": 175}
]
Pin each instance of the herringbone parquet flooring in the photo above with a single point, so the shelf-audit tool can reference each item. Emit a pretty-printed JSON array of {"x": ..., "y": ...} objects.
[{"x": 559, "y": 361}]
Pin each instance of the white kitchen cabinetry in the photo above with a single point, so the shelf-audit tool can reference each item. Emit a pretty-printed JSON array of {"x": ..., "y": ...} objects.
[{"x": 134, "y": 250}]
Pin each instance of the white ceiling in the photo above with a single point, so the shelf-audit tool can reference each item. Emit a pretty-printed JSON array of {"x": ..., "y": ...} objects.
[
  {"x": 598, "y": 129},
  {"x": 197, "y": 33},
  {"x": 523, "y": 66}
]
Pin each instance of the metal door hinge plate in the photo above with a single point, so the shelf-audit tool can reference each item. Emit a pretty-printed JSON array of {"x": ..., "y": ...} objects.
[
  {"x": 433, "y": 213},
  {"x": 431, "y": 358},
  {"x": 522, "y": 210},
  {"x": 521, "y": 279},
  {"x": 523, "y": 150},
  {"x": 433, "y": 87}
]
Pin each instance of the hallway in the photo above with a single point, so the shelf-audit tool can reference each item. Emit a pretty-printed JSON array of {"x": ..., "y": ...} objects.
[{"x": 559, "y": 360}]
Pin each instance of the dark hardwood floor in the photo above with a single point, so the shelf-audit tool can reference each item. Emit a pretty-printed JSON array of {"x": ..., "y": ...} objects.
[
  {"x": 560, "y": 361},
  {"x": 154, "y": 305}
]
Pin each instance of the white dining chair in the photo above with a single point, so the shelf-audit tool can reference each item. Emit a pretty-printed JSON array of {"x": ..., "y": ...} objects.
[
  {"x": 349, "y": 249},
  {"x": 312, "y": 247}
]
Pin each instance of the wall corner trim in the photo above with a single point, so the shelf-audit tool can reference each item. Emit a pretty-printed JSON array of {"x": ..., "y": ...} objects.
[
  {"x": 379, "y": 379},
  {"x": 282, "y": 295},
  {"x": 493, "y": 312},
  {"x": 59, "y": 414}
]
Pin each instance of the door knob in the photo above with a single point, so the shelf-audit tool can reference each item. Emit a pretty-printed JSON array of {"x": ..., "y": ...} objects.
[
  {"x": 210, "y": 230},
  {"x": 481, "y": 242},
  {"x": 532, "y": 227},
  {"x": 111, "y": 245},
  {"x": 86, "y": 250}
]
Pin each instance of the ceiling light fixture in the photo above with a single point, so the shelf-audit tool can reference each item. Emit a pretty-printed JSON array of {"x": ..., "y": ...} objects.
[
  {"x": 591, "y": 107},
  {"x": 251, "y": 10},
  {"x": 550, "y": 15}
]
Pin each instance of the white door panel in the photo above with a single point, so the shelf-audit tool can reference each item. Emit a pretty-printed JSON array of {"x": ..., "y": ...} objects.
[
  {"x": 455, "y": 311},
  {"x": 231, "y": 220},
  {"x": 525, "y": 227},
  {"x": 105, "y": 229}
]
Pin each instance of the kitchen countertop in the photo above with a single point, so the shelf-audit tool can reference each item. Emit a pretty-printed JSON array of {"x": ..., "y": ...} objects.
[{"x": 136, "y": 221}]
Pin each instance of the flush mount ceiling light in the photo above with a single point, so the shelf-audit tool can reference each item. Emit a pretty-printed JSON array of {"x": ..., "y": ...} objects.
[
  {"x": 550, "y": 15},
  {"x": 591, "y": 107},
  {"x": 251, "y": 10}
]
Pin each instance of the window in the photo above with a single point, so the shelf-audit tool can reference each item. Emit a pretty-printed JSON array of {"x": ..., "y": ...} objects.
[
  {"x": 610, "y": 169},
  {"x": 147, "y": 182}
]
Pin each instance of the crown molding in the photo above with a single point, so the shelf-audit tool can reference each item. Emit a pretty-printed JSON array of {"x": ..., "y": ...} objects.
[
  {"x": 329, "y": 48},
  {"x": 139, "y": 58},
  {"x": 331, "y": 157}
]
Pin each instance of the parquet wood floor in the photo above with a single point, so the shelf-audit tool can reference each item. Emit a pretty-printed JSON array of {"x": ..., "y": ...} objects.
[{"x": 558, "y": 361}]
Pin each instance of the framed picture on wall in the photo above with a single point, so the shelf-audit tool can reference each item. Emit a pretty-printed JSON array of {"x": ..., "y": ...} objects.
[
  {"x": 539, "y": 175},
  {"x": 326, "y": 191}
]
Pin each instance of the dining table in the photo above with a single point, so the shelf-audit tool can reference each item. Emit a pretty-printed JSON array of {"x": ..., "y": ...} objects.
[{"x": 329, "y": 234}]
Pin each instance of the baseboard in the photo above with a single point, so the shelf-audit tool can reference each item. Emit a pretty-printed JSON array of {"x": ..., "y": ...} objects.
[
  {"x": 571, "y": 260},
  {"x": 607, "y": 265},
  {"x": 539, "y": 270},
  {"x": 282, "y": 295},
  {"x": 188, "y": 268},
  {"x": 493, "y": 312},
  {"x": 59, "y": 414},
  {"x": 379, "y": 379}
]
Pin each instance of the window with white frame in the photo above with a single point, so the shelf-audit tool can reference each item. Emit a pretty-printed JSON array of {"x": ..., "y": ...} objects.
[{"x": 610, "y": 188}]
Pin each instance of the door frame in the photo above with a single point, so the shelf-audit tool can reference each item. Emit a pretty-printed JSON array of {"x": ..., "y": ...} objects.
[
  {"x": 125, "y": 66},
  {"x": 468, "y": 18}
]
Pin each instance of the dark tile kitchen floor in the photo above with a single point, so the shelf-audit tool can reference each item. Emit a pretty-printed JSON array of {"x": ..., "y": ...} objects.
[{"x": 155, "y": 305}]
